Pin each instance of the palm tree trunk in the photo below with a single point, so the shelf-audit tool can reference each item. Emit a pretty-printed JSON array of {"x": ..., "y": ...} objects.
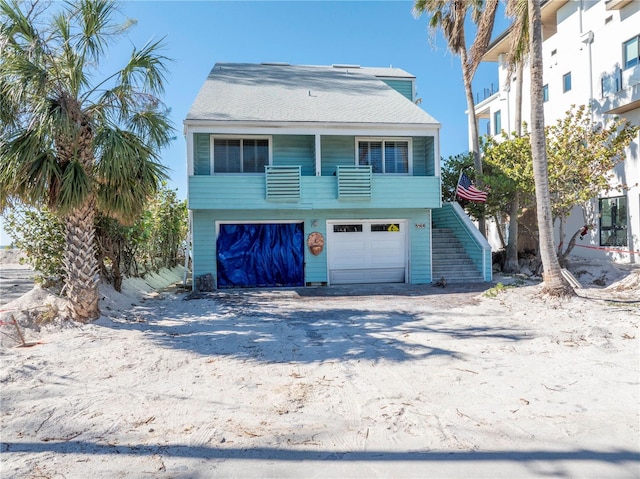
[
  {"x": 475, "y": 137},
  {"x": 81, "y": 264},
  {"x": 554, "y": 282},
  {"x": 511, "y": 264}
]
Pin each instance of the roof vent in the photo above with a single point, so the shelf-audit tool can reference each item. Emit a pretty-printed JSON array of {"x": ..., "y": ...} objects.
[{"x": 346, "y": 66}]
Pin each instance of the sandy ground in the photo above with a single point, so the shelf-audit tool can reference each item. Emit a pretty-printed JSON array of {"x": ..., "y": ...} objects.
[
  {"x": 369, "y": 381},
  {"x": 16, "y": 278}
]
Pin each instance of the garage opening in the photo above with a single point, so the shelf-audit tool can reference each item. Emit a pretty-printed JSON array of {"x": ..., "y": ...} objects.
[
  {"x": 260, "y": 255},
  {"x": 372, "y": 251}
]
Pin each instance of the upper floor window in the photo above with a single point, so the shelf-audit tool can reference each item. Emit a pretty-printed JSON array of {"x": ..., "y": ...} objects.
[
  {"x": 545, "y": 93},
  {"x": 240, "y": 155},
  {"x": 497, "y": 122},
  {"x": 384, "y": 156},
  {"x": 566, "y": 82},
  {"x": 632, "y": 52}
]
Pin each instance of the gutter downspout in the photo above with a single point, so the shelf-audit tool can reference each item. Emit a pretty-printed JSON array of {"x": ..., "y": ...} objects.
[{"x": 587, "y": 38}]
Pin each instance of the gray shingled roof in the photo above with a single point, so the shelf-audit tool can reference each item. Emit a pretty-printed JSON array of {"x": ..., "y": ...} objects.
[{"x": 288, "y": 93}]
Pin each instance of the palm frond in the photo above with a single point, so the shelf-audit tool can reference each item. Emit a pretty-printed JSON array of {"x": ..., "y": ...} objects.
[
  {"x": 485, "y": 21},
  {"x": 16, "y": 24},
  {"x": 75, "y": 187},
  {"x": 146, "y": 69},
  {"x": 518, "y": 10},
  {"x": 28, "y": 169},
  {"x": 127, "y": 173},
  {"x": 153, "y": 126},
  {"x": 96, "y": 26}
]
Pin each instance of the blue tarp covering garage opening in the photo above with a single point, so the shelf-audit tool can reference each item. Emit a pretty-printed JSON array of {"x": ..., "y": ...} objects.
[{"x": 260, "y": 255}]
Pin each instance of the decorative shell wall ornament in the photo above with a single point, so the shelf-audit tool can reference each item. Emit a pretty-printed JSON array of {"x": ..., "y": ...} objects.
[{"x": 315, "y": 242}]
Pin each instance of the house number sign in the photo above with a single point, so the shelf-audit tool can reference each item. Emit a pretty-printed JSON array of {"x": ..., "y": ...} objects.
[{"x": 421, "y": 226}]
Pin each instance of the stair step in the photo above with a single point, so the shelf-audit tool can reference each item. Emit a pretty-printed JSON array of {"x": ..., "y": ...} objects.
[{"x": 450, "y": 260}]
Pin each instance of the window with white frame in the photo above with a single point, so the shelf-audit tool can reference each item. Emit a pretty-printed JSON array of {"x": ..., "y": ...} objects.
[
  {"x": 240, "y": 155},
  {"x": 631, "y": 50},
  {"x": 387, "y": 156}
]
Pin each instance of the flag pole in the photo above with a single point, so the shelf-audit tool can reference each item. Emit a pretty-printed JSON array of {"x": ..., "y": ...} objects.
[{"x": 458, "y": 183}]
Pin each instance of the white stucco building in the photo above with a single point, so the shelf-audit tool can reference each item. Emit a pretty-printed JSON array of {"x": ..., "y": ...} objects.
[{"x": 591, "y": 55}]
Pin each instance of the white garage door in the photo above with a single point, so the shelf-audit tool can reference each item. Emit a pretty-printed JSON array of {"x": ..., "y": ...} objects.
[{"x": 367, "y": 251}]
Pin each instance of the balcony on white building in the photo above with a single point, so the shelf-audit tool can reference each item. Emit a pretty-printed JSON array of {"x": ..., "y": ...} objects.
[{"x": 621, "y": 90}]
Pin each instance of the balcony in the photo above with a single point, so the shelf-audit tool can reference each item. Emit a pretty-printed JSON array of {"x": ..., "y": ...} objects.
[
  {"x": 486, "y": 93},
  {"x": 621, "y": 90},
  {"x": 353, "y": 187},
  {"x": 611, "y": 83},
  {"x": 616, "y": 4}
]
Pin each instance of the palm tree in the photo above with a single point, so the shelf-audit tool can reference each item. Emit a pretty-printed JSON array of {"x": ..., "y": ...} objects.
[
  {"x": 78, "y": 145},
  {"x": 554, "y": 282},
  {"x": 450, "y": 16},
  {"x": 518, "y": 52}
]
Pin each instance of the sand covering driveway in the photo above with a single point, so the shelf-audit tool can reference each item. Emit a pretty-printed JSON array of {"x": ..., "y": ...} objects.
[{"x": 386, "y": 382}]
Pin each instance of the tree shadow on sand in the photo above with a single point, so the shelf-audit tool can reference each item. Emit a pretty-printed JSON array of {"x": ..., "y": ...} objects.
[
  {"x": 283, "y": 326},
  {"x": 553, "y": 462}
]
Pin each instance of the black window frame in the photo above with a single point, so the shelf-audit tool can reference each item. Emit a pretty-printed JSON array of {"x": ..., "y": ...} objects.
[{"x": 613, "y": 223}]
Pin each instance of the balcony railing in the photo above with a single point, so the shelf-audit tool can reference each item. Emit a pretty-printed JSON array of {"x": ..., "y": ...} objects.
[
  {"x": 620, "y": 79},
  {"x": 354, "y": 182},
  {"x": 631, "y": 77},
  {"x": 612, "y": 83},
  {"x": 250, "y": 192},
  {"x": 282, "y": 183},
  {"x": 486, "y": 93}
]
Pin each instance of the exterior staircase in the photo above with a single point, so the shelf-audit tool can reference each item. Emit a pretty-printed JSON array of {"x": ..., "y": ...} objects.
[{"x": 449, "y": 259}]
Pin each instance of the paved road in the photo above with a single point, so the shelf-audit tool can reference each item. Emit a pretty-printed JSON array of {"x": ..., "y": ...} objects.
[{"x": 15, "y": 280}]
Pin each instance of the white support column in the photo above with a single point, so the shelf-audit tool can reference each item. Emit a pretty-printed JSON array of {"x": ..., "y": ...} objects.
[
  {"x": 436, "y": 152},
  {"x": 318, "y": 155},
  {"x": 189, "y": 140}
]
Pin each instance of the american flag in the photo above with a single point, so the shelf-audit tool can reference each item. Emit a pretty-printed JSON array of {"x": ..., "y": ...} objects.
[{"x": 467, "y": 191}]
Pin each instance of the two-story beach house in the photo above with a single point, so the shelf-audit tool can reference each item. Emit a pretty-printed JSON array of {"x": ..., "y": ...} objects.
[
  {"x": 319, "y": 175},
  {"x": 591, "y": 54}
]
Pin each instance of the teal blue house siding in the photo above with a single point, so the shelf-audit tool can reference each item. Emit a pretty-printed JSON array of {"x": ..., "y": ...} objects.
[
  {"x": 295, "y": 150},
  {"x": 418, "y": 224},
  {"x": 423, "y": 156},
  {"x": 299, "y": 150},
  {"x": 404, "y": 87},
  {"x": 201, "y": 154},
  {"x": 203, "y": 239},
  {"x": 337, "y": 150},
  {"x": 248, "y": 192},
  {"x": 420, "y": 247}
]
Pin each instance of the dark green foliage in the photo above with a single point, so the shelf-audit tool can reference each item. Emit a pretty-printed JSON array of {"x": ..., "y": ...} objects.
[
  {"x": 450, "y": 173},
  {"x": 155, "y": 241},
  {"x": 40, "y": 236}
]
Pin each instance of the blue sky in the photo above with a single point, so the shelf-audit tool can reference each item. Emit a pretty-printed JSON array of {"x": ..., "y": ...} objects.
[{"x": 197, "y": 34}]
